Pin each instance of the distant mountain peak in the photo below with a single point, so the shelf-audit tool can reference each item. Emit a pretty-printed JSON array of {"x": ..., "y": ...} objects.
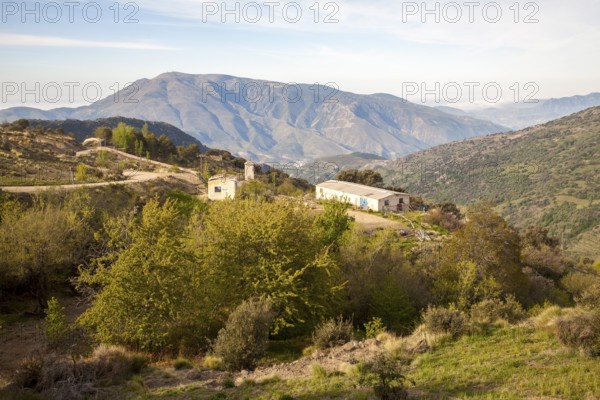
[{"x": 276, "y": 121}]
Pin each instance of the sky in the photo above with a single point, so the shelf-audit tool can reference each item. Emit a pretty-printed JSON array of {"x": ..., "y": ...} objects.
[{"x": 464, "y": 53}]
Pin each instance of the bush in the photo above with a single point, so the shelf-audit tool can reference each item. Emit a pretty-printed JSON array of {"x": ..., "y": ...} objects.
[
  {"x": 213, "y": 362},
  {"x": 444, "y": 320},
  {"x": 245, "y": 336},
  {"x": 61, "y": 378},
  {"x": 374, "y": 327},
  {"x": 331, "y": 333},
  {"x": 55, "y": 326},
  {"x": 490, "y": 311},
  {"x": 589, "y": 297},
  {"x": 228, "y": 383},
  {"x": 182, "y": 363},
  {"x": 580, "y": 332},
  {"x": 391, "y": 384},
  {"x": 318, "y": 371}
]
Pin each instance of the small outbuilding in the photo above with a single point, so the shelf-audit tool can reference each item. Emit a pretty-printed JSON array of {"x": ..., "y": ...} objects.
[
  {"x": 362, "y": 196},
  {"x": 227, "y": 186},
  {"x": 221, "y": 187}
]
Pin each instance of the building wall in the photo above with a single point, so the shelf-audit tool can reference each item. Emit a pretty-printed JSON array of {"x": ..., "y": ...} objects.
[
  {"x": 355, "y": 200},
  {"x": 393, "y": 202},
  {"x": 221, "y": 189}
]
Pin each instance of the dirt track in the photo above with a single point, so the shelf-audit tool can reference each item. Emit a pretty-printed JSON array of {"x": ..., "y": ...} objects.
[{"x": 134, "y": 177}]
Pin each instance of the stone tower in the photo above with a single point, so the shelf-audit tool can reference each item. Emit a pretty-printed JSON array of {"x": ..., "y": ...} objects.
[{"x": 249, "y": 171}]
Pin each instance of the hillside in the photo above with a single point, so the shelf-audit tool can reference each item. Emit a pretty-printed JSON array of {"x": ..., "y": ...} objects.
[
  {"x": 279, "y": 122},
  {"x": 522, "y": 115},
  {"x": 547, "y": 175},
  {"x": 84, "y": 129},
  {"x": 47, "y": 158}
]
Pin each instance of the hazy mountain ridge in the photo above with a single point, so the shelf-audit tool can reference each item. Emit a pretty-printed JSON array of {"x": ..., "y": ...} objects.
[
  {"x": 547, "y": 175},
  {"x": 523, "y": 115},
  {"x": 278, "y": 126}
]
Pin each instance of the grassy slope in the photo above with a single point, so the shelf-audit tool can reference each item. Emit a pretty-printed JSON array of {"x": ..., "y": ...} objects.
[
  {"x": 27, "y": 158},
  {"x": 548, "y": 174},
  {"x": 510, "y": 363}
]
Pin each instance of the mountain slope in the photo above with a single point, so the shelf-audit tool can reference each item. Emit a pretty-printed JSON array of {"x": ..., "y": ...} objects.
[
  {"x": 266, "y": 120},
  {"x": 520, "y": 115},
  {"x": 548, "y": 175},
  {"x": 85, "y": 129}
]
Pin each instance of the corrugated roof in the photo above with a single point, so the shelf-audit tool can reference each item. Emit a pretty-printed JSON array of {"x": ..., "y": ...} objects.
[{"x": 358, "y": 190}]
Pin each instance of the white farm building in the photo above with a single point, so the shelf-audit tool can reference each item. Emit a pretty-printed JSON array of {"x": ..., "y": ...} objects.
[
  {"x": 227, "y": 186},
  {"x": 362, "y": 196}
]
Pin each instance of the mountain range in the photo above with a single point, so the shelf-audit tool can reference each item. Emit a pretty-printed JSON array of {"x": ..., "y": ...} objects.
[
  {"x": 547, "y": 175},
  {"x": 522, "y": 115},
  {"x": 270, "y": 121}
]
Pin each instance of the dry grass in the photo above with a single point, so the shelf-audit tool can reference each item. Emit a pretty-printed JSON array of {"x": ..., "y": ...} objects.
[
  {"x": 59, "y": 377},
  {"x": 420, "y": 341}
]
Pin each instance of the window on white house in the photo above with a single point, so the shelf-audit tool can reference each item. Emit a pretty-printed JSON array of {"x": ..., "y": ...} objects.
[
  {"x": 217, "y": 189},
  {"x": 386, "y": 202}
]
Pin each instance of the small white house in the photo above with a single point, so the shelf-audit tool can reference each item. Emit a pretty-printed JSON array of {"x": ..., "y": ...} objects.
[
  {"x": 221, "y": 187},
  {"x": 224, "y": 186},
  {"x": 362, "y": 196}
]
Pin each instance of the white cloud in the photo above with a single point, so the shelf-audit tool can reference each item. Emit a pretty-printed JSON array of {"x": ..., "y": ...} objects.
[{"x": 9, "y": 39}]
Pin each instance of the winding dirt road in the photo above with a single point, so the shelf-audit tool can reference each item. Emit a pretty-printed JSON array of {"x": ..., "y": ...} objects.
[{"x": 133, "y": 176}]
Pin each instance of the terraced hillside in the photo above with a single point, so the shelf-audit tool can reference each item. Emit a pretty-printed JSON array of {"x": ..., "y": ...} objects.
[{"x": 547, "y": 174}]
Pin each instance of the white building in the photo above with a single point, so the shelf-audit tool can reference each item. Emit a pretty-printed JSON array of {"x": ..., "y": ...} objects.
[
  {"x": 224, "y": 186},
  {"x": 221, "y": 187},
  {"x": 362, "y": 196}
]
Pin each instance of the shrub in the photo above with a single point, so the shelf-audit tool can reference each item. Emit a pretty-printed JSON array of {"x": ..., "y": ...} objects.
[
  {"x": 391, "y": 384},
  {"x": 61, "y": 378},
  {"x": 374, "y": 327},
  {"x": 308, "y": 351},
  {"x": 245, "y": 336},
  {"x": 354, "y": 371},
  {"x": 81, "y": 172},
  {"x": 29, "y": 372},
  {"x": 213, "y": 362},
  {"x": 55, "y": 326},
  {"x": 489, "y": 311},
  {"x": 318, "y": 371},
  {"x": 182, "y": 363},
  {"x": 331, "y": 333},
  {"x": 444, "y": 320},
  {"x": 589, "y": 297},
  {"x": 581, "y": 332},
  {"x": 228, "y": 383}
]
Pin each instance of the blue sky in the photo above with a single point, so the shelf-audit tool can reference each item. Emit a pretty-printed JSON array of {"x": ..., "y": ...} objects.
[{"x": 367, "y": 46}]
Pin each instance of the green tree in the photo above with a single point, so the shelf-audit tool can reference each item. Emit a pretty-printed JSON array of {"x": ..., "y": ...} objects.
[
  {"x": 367, "y": 177},
  {"x": 104, "y": 133},
  {"x": 151, "y": 296},
  {"x": 333, "y": 222},
  {"x": 166, "y": 149},
  {"x": 257, "y": 248},
  {"x": 139, "y": 148},
  {"x": 488, "y": 248},
  {"x": 380, "y": 281},
  {"x": 55, "y": 326},
  {"x": 123, "y": 137},
  {"x": 41, "y": 244}
]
